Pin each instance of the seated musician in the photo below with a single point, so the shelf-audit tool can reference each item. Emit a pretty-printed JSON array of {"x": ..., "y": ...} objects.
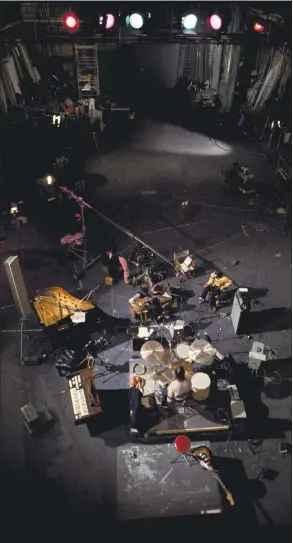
[
  {"x": 139, "y": 303},
  {"x": 216, "y": 285},
  {"x": 116, "y": 265},
  {"x": 148, "y": 303},
  {"x": 162, "y": 290},
  {"x": 179, "y": 390}
]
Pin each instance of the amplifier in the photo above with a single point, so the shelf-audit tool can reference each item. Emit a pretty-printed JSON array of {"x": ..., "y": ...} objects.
[
  {"x": 17, "y": 286},
  {"x": 35, "y": 419},
  {"x": 257, "y": 355},
  {"x": 240, "y": 311}
]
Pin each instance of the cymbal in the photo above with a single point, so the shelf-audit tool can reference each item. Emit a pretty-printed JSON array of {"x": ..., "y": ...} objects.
[
  {"x": 165, "y": 375},
  {"x": 202, "y": 352},
  {"x": 152, "y": 351}
]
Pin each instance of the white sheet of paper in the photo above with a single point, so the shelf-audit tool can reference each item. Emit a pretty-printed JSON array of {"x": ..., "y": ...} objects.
[
  {"x": 143, "y": 332},
  {"x": 78, "y": 317}
]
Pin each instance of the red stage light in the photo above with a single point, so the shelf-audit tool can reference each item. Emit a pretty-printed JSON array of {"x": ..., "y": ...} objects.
[
  {"x": 258, "y": 27},
  {"x": 215, "y": 22},
  {"x": 70, "y": 21},
  {"x": 110, "y": 21}
]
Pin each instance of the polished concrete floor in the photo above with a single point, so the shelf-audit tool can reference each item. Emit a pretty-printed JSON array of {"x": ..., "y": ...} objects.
[{"x": 68, "y": 473}]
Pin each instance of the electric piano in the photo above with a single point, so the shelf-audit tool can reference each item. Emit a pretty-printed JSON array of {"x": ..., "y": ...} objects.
[{"x": 84, "y": 397}]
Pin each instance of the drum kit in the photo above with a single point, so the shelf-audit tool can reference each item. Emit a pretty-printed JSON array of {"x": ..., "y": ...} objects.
[{"x": 195, "y": 358}]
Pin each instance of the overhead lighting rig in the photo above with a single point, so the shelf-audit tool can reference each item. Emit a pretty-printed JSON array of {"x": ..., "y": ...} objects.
[{"x": 200, "y": 22}]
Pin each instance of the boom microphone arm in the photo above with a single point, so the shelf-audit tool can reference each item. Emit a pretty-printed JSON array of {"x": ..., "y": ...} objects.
[{"x": 80, "y": 201}]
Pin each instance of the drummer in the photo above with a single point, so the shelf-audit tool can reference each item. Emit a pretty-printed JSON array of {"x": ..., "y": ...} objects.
[{"x": 180, "y": 389}]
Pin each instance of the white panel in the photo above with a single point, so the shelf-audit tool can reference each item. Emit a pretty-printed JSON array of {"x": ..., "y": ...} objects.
[
  {"x": 216, "y": 65},
  {"x": 17, "y": 285},
  {"x": 10, "y": 65},
  {"x": 31, "y": 71}
]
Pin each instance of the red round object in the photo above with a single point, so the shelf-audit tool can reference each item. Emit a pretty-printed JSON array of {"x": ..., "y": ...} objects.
[
  {"x": 182, "y": 444},
  {"x": 70, "y": 21}
]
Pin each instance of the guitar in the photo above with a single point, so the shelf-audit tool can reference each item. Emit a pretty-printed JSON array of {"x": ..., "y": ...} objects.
[
  {"x": 203, "y": 456},
  {"x": 140, "y": 304}
]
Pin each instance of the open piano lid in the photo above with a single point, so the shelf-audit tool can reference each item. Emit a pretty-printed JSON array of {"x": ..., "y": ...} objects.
[{"x": 55, "y": 304}]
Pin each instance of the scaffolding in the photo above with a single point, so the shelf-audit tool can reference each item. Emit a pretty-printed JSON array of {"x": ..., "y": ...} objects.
[
  {"x": 44, "y": 24},
  {"x": 87, "y": 70}
]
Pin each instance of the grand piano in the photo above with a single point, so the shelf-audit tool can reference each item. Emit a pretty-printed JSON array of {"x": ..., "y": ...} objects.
[
  {"x": 57, "y": 311},
  {"x": 68, "y": 325}
]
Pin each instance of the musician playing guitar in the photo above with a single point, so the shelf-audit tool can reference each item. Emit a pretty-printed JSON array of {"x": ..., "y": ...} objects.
[{"x": 139, "y": 302}]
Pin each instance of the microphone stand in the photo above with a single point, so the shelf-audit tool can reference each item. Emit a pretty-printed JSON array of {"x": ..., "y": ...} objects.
[{"x": 81, "y": 253}]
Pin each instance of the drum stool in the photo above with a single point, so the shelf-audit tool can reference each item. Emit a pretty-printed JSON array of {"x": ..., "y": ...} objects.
[{"x": 182, "y": 445}]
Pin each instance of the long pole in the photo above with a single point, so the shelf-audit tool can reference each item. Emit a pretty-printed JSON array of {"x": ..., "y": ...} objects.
[
  {"x": 125, "y": 231},
  {"x": 132, "y": 236}
]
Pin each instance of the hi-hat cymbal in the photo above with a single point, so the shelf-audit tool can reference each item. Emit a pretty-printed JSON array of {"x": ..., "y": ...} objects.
[{"x": 152, "y": 351}]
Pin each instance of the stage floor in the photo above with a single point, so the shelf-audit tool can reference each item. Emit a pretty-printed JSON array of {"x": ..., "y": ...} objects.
[
  {"x": 142, "y": 189},
  {"x": 151, "y": 485}
]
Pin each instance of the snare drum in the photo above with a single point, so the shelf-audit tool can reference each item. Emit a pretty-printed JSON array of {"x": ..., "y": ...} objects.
[
  {"x": 200, "y": 386},
  {"x": 182, "y": 351}
]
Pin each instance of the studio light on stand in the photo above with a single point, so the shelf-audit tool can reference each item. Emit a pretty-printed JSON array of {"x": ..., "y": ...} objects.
[
  {"x": 56, "y": 121},
  {"x": 14, "y": 210},
  {"x": 258, "y": 27},
  {"x": 48, "y": 185},
  {"x": 50, "y": 180}
]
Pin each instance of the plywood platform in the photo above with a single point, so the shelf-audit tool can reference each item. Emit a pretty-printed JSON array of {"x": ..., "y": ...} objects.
[{"x": 150, "y": 485}]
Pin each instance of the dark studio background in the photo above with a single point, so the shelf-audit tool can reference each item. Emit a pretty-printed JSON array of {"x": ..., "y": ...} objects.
[{"x": 40, "y": 489}]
